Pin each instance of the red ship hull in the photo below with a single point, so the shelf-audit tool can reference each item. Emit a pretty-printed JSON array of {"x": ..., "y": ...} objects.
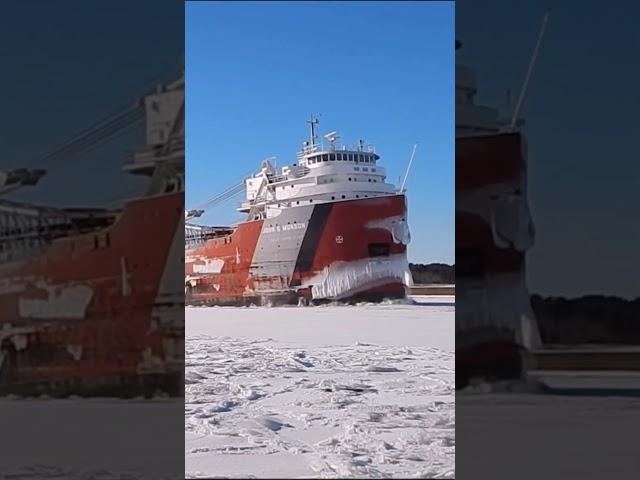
[
  {"x": 82, "y": 317},
  {"x": 352, "y": 250},
  {"x": 494, "y": 320}
]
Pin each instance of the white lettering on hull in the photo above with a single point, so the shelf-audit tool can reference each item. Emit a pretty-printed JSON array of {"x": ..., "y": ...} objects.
[{"x": 285, "y": 228}]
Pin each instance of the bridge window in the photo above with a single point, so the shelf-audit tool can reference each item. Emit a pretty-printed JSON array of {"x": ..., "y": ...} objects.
[
  {"x": 339, "y": 157},
  {"x": 332, "y": 157},
  {"x": 350, "y": 157},
  {"x": 325, "y": 158},
  {"x": 361, "y": 157}
]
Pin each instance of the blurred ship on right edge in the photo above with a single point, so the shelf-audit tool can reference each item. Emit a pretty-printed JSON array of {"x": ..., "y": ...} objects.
[
  {"x": 495, "y": 324},
  {"x": 497, "y": 333}
]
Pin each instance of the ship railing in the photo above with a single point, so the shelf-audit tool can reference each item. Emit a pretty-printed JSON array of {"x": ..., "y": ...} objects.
[
  {"x": 277, "y": 178},
  {"x": 295, "y": 172},
  {"x": 334, "y": 147},
  {"x": 194, "y": 239},
  {"x": 300, "y": 172}
]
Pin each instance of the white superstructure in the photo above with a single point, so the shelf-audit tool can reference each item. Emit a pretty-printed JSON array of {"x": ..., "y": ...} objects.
[
  {"x": 471, "y": 118},
  {"x": 322, "y": 173}
]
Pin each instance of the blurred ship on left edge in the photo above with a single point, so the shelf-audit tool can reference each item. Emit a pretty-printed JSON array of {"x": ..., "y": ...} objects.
[{"x": 92, "y": 300}]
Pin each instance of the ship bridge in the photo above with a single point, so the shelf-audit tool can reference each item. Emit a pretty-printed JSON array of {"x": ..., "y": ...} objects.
[
  {"x": 324, "y": 172},
  {"x": 471, "y": 118}
]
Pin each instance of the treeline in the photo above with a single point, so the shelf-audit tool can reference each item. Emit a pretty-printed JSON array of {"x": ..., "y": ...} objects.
[
  {"x": 589, "y": 319},
  {"x": 433, "y": 273}
]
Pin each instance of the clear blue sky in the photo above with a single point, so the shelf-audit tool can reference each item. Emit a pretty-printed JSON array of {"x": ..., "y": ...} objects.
[
  {"x": 66, "y": 68},
  {"x": 381, "y": 71}
]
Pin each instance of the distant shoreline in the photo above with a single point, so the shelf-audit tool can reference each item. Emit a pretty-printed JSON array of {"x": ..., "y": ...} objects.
[{"x": 433, "y": 273}]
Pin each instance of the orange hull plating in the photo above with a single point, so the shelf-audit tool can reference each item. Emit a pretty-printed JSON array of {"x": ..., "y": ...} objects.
[
  {"x": 78, "y": 318},
  {"x": 320, "y": 252},
  {"x": 493, "y": 232}
]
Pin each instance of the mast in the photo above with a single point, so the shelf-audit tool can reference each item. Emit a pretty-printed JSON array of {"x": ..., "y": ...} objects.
[
  {"x": 408, "y": 167},
  {"x": 313, "y": 122},
  {"x": 514, "y": 118}
]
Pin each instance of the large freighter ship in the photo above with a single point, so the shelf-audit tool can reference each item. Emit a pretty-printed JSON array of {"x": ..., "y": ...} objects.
[
  {"x": 495, "y": 324},
  {"x": 328, "y": 227},
  {"x": 88, "y": 299}
]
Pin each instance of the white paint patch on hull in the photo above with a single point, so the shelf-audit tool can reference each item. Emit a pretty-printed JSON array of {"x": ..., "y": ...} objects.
[
  {"x": 343, "y": 278},
  {"x": 75, "y": 351},
  {"x": 210, "y": 266},
  {"x": 9, "y": 286},
  {"x": 63, "y": 302}
]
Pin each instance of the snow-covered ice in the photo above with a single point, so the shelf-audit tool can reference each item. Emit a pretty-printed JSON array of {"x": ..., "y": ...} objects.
[
  {"x": 526, "y": 435},
  {"x": 107, "y": 439},
  {"x": 321, "y": 392}
]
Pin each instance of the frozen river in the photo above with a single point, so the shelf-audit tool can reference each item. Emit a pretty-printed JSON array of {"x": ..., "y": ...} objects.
[{"x": 324, "y": 392}]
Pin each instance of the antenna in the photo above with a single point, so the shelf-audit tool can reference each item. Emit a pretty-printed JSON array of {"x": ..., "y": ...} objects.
[
  {"x": 408, "y": 167},
  {"x": 530, "y": 69},
  {"x": 507, "y": 99},
  {"x": 313, "y": 122},
  {"x": 331, "y": 136}
]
